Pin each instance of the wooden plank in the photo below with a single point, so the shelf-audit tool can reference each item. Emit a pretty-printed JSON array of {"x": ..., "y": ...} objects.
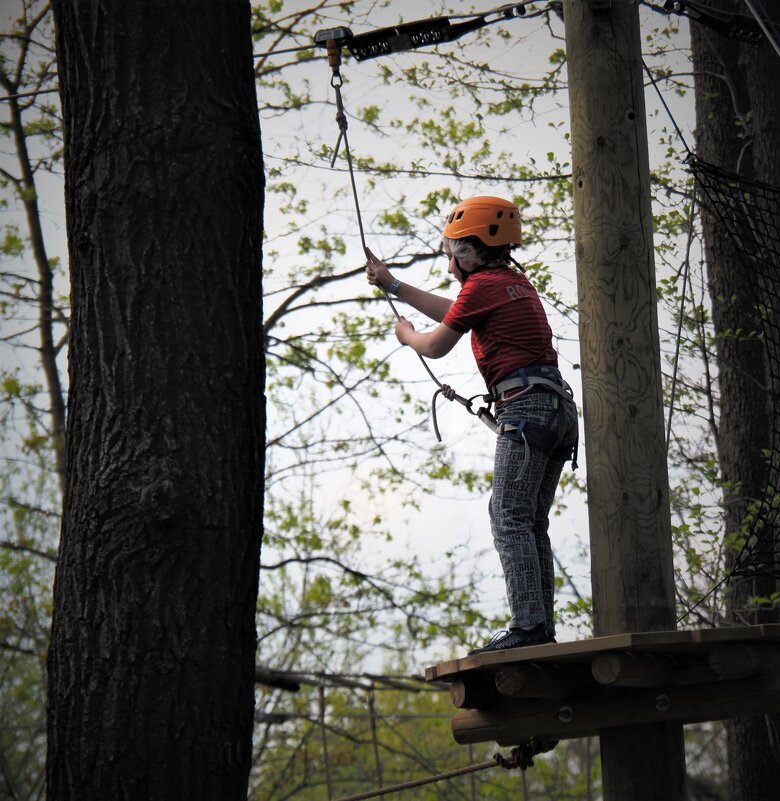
[
  {"x": 675, "y": 642},
  {"x": 615, "y": 708},
  {"x": 532, "y": 653},
  {"x": 577, "y": 650},
  {"x": 766, "y": 632}
]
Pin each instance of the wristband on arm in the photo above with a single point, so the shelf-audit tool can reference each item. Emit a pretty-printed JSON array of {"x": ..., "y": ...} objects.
[{"x": 393, "y": 288}]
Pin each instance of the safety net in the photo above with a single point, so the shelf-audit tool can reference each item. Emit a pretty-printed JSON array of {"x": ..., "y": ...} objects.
[{"x": 750, "y": 212}]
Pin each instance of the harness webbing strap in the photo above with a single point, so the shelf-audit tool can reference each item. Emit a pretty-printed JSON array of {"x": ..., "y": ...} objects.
[
  {"x": 544, "y": 375},
  {"x": 513, "y": 383}
]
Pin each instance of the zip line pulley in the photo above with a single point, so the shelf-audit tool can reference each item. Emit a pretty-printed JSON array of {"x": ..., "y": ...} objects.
[{"x": 411, "y": 35}]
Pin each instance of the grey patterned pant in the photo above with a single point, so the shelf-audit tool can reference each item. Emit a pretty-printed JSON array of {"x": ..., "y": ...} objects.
[{"x": 524, "y": 482}]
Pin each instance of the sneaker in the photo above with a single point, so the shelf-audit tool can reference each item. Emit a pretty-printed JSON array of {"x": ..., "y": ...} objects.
[{"x": 516, "y": 638}]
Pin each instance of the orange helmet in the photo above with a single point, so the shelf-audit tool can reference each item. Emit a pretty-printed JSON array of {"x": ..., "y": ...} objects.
[{"x": 492, "y": 220}]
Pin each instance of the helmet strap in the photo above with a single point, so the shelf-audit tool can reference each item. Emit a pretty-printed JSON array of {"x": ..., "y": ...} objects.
[
  {"x": 480, "y": 267},
  {"x": 463, "y": 274},
  {"x": 517, "y": 264}
]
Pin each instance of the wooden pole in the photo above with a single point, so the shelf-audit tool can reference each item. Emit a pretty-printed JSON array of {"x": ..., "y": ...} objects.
[{"x": 628, "y": 492}]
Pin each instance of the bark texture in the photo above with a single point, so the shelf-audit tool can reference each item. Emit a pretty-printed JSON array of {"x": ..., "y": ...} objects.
[
  {"x": 151, "y": 663},
  {"x": 738, "y": 129}
]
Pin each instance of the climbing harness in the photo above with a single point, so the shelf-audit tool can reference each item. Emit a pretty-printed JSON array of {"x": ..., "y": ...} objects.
[
  {"x": 532, "y": 434},
  {"x": 393, "y": 40}
]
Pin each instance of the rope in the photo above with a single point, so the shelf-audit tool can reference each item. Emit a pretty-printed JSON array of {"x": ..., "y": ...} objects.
[
  {"x": 449, "y": 393},
  {"x": 726, "y": 23},
  {"x": 686, "y": 269},
  {"x": 712, "y": 590},
  {"x": 521, "y": 757},
  {"x": 653, "y": 81},
  {"x": 437, "y": 777},
  {"x": 770, "y": 32},
  {"x": 336, "y": 81},
  {"x": 689, "y": 159}
]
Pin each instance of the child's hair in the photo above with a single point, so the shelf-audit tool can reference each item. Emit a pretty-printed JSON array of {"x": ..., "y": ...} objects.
[{"x": 471, "y": 248}]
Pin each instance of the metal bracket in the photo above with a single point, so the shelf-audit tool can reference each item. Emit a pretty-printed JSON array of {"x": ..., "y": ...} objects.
[{"x": 732, "y": 25}]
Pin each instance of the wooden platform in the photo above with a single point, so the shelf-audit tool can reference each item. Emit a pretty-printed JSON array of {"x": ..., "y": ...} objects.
[{"x": 577, "y": 689}]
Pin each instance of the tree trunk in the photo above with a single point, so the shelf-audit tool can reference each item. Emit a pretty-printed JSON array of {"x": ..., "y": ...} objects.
[
  {"x": 151, "y": 662},
  {"x": 738, "y": 129}
]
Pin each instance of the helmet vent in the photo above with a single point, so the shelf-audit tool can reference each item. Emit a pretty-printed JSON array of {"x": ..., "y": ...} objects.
[
  {"x": 492, "y": 230},
  {"x": 460, "y": 214},
  {"x": 499, "y": 215}
]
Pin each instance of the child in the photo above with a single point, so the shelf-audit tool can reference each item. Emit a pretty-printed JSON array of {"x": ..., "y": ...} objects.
[{"x": 512, "y": 343}]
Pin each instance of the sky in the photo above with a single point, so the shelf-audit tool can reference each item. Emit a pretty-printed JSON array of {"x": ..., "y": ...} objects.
[
  {"x": 454, "y": 518},
  {"x": 516, "y": 46}
]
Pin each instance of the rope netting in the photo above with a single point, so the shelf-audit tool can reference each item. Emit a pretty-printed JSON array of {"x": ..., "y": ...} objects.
[{"x": 750, "y": 213}]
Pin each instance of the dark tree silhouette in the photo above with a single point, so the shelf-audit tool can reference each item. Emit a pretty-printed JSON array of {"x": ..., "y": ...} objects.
[
  {"x": 738, "y": 129},
  {"x": 151, "y": 664}
]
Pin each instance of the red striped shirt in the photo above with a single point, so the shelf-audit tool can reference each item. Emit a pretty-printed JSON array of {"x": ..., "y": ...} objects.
[{"x": 509, "y": 328}]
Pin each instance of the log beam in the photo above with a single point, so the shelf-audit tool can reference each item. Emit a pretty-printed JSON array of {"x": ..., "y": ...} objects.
[
  {"x": 615, "y": 708},
  {"x": 474, "y": 692},
  {"x": 536, "y": 681},
  {"x": 740, "y": 660},
  {"x": 632, "y": 670}
]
